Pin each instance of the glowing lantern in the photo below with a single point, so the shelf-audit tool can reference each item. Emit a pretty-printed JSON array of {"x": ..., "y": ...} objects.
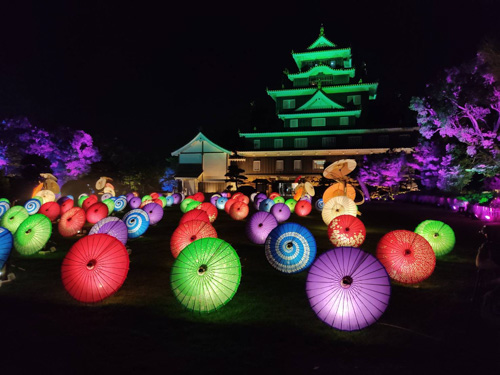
[
  {"x": 137, "y": 222},
  {"x": 221, "y": 202},
  {"x": 189, "y": 232},
  {"x": 32, "y": 234},
  {"x": 199, "y": 196},
  {"x": 439, "y": 235},
  {"x": 346, "y": 230},
  {"x": 4, "y": 207},
  {"x": 72, "y": 222},
  {"x": 13, "y": 218}
]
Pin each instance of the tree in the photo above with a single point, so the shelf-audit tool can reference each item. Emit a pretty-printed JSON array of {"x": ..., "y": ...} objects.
[
  {"x": 386, "y": 170},
  {"x": 234, "y": 174}
]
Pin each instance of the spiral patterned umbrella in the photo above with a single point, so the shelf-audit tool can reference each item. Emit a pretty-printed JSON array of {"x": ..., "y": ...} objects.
[
  {"x": 239, "y": 210},
  {"x": 67, "y": 205},
  {"x": 259, "y": 226},
  {"x": 189, "y": 232},
  {"x": 154, "y": 211},
  {"x": 32, "y": 206},
  {"x": 407, "y": 256},
  {"x": 440, "y": 236},
  {"x": 13, "y": 218},
  {"x": 303, "y": 208},
  {"x": 120, "y": 204},
  {"x": 72, "y": 222},
  {"x": 50, "y": 209},
  {"x": 206, "y": 275},
  {"x": 112, "y": 226},
  {"x": 32, "y": 234},
  {"x": 6, "y": 241},
  {"x": 210, "y": 209},
  {"x": 137, "y": 222},
  {"x": 346, "y": 230},
  {"x": 194, "y": 215},
  {"x": 4, "y": 207},
  {"x": 348, "y": 288},
  {"x": 337, "y": 206},
  {"x": 290, "y": 248},
  {"x": 95, "y": 268},
  {"x": 135, "y": 203},
  {"x": 281, "y": 212},
  {"x": 319, "y": 204},
  {"x": 96, "y": 212}
]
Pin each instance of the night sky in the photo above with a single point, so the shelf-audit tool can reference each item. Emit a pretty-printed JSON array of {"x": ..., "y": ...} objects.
[{"x": 152, "y": 76}]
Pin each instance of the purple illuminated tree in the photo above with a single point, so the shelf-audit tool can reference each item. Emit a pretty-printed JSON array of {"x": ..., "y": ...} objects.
[{"x": 387, "y": 169}]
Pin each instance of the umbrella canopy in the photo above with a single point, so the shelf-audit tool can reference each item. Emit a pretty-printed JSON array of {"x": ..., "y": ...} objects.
[
  {"x": 129, "y": 196},
  {"x": 177, "y": 198},
  {"x": 337, "y": 206},
  {"x": 185, "y": 203},
  {"x": 13, "y": 218},
  {"x": 163, "y": 201},
  {"x": 273, "y": 195},
  {"x": 303, "y": 208},
  {"x": 266, "y": 205},
  {"x": 281, "y": 212},
  {"x": 67, "y": 205},
  {"x": 291, "y": 203},
  {"x": 279, "y": 199},
  {"x": 169, "y": 201},
  {"x": 339, "y": 169},
  {"x": 92, "y": 199},
  {"x": 135, "y": 202},
  {"x": 154, "y": 211},
  {"x": 96, "y": 212},
  {"x": 137, "y": 222},
  {"x": 221, "y": 202},
  {"x": 259, "y": 226},
  {"x": 206, "y": 275},
  {"x": 46, "y": 195},
  {"x": 348, "y": 288},
  {"x": 120, "y": 204},
  {"x": 52, "y": 186},
  {"x": 101, "y": 183},
  {"x": 81, "y": 199},
  {"x": 319, "y": 204},
  {"x": 112, "y": 226},
  {"x": 290, "y": 248},
  {"x": 192, "y": 205},
  {"x": 50, "y": 209},
  {"x": 210, "y": 209},
  {"x": 309, "y": 188},
  {"x": 199, "y": 196},
  {"x": 213, "y": 199},
  {"x": 189, "y": 232},
  {"x": 239, "y": 210},
  {"x": 95, "y": 268},
  {"x": 147, "y": 197},
  {"x": 154, "y": 195},
  {"x": 4, "y": 207},
  {"x": 339, "y": 189},
  {"x": 111, "y": 205},
  {"x": 346, "y": 230},
  {"x": 195, "y": 215},
  {"x": 6, "y": 241},
  {"x": 242, "y": 198},
  {"x": 440, "y": 236},
  {"x": 72, "y": 222},
  {"x": 32, "y": 234},
  {"x": 32, "y": 206},
  {"x": 229, "y": 204},
  {"x": 48, "y": 176},
  {"x": 105, "y": 196},
  {"x": 407, "y": 256}
]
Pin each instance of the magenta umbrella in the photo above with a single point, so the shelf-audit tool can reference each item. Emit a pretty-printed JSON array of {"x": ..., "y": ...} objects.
[
  {"x": 154, "y": 211},
  {"x": 348, "y": 288},
  {"x": 259, "y": 226}
]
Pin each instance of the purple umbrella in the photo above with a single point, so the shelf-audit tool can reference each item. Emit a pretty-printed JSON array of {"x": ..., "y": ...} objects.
[
  {"x": 177, "y": 198},
  {"x": 112, "y": 226},
  {"x": 281, "y": 212},
  {"x": 129, "y": 196},
  {"x": 257, "y": 201},
  {"x": 213, "y": 199},
  {"x": 135, "y": 202},
  {"x": 347, "y": 288},
  {"x": 260, "y": 196},
  {"x": 154, "y": 211},
  {"x": 259, "y": 226}
]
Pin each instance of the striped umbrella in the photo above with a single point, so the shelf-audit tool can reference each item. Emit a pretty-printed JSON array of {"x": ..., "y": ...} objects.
[
  {"x": 189, "y": 232},
  {"x": 137, "y": 222},
  {"x": 318, "y": 205},
  {"x": 440, "y": 236},
  {"x": 112, "y": 226},
  {"x": 337, "y": 206},
  {"x": 72, "y": 222},
  {"x": 407, "y": 256},
  {"x": 348, "y": 288},
  {"x": 32, "y": 234},
  {"x": 120, "y": 204},
  {"x": 32, "y": 206},
  {"x": 290, "y": 248},
  {"x": 206, "y": 275},
  {"x": 154, "y": 211},
  {"x": 13, "y": 218},
  {"x": 4, "y": 207},
  {"x": 95, "y": 268},
  {"x": 195, "y": 215},
  {"x": 346, "y": 230},
  {"x": 259, "y": 226},
  {"x": 6, "y": 241}
]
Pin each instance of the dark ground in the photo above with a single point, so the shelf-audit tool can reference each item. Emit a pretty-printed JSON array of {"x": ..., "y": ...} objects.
[{"x": 267, "y": 328}]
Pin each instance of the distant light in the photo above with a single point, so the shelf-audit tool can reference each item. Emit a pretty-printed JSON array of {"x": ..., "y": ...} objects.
[{"x": 487, "y": 217}]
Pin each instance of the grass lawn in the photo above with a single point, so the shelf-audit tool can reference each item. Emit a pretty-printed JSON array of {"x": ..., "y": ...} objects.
[{"x": 268, "y": 327}]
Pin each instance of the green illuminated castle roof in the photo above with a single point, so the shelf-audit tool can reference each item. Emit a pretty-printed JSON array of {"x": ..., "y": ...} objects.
[
  {"x": 319, "y": 101},
  {"x": 322, "y": 113},
  {"x": 327, "y": 132},
  {"x": 348, "y": 88},
  {"x": 322, "y": 41},
  {"x": 322, "y": 69}
]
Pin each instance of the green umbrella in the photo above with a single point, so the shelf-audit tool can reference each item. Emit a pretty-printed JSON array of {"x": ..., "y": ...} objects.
[
  {"x": 111, "y": 205},
  {"x": 440, "y": 236},
  {"x": 164, "y": 200},
  {"x": 4, "y": 200},
  {"x": 147, "y": 197},
  {"x": 185, "y": 203},
  {"x": 13, "y": 218},
  {"x": 206, "y": 275},
  {"x": 291, "y": 204},
  {"x": 81, "y": 200},
  {"x": 192, "y": 205},
  {"x": 32, "y": 234}
]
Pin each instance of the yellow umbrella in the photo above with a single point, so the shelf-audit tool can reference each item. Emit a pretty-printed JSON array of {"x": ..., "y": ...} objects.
[
  {"x": 48, "y": 176},
  {"x": 339, "y": 189},
  {"x": 101, "y": 182},
  {"x": 46, "y": 195},
  {"x": 309, "y": 189},
  {"x": 108, "y": 190},
  {"x": 339, "y": 169},
  {"x": 109, "y": 185},
  {"x": 52, "y": 186},
  {"x": 337, "y": 206}
]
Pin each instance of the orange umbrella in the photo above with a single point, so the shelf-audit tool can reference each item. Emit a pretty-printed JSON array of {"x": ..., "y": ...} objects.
[
  {"x": 339, "y": 189},
  {"x": 37, "y": 189},
  {"x": 339, "y": 169}
]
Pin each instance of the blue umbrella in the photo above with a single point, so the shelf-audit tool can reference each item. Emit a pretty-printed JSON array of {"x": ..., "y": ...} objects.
[
  {"x": 120, "y": 203},
  {"x": 137, "y": 222},
  {"x": 221, "y": 202},
  {"x": 170, "y": 200},
  {"x": 5, "y": 245},
  {"x": 4, "y": 207},
  {"x": 319, "y": 204},
  {"x": 266, "y": 205},
  {"x": 290, "y": 248},
  {"x": 32, "y": 206}
]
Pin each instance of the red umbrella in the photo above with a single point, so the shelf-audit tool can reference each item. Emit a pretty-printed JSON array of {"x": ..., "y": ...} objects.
[
  {"x": 407, "y": 256},
  {"x": 96, "y": 212},
  {"x": 199, "y": 196},
  {"x": 273, "y": 195},
  {"x": 346, "y": 230},
  {"x": 237, "y": 194},
  {"x": 95, "y": 267},
  {"x": 188, "y": 232},
  {"x": 239, "y": 210},
  {"x": 194, "y": 215},
  {"x": 158, "y": 202},
  {"x": 303, "y": 208},
  {"x": 72, "y": 221},
  {"x": 51, "y": 210},
  {"x": 210, "y": 209},
  {"x": 228, "y": 204},
  {"x": 154, "y": 196},
  {"x": 67, "y": 205},
  {"x": 243, "y": 198},
  {"x": 89, "y": 202}
]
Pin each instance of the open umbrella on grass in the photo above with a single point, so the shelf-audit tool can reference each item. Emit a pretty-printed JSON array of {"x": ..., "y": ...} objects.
[
  {"x": 210, "y": 209},
  {"x": 50, "y": 209},
  {"x": 189, "y": 232},
  {"x": 32, "y": 234},
  {"x": 4, "y": 207},
  {"x": 120, "y": 204},
  {"x": 72, "y": 222},
  {"x": 113, "y": 226},
  {"x": 194, "y": 215},
  {"x": 154, "y": 211},
  {"x": 206, "y": 275},
  {"x": 259, "y": 226},
  {"x": 95, "y": 268},
  {"x": 13, "y": 218},
  {"x": 440, "y": 236},
  {"x": 32, "y": 206},
  {"x": 337, "y": 206},
  {"x": 281, "y": 212},
  {"x": 6, "y": 241},
  {"x": 137, "y": 222},
  {"x": 96, "y": 212},
  {"x": 346, "y": 230}
]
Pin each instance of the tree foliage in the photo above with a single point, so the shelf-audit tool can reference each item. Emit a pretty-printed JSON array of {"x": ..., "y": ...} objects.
[{"x": 234, "y": 174}]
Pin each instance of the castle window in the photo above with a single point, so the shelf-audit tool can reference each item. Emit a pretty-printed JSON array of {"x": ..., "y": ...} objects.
[
  {"x": 280, "y": 165},
  {"x": 294, "y": 123},
  {"x": 288, "y": 103},
  {"x": 328, "y": 141},
  {"x": 297, "y": 165},
  {"x": 344, "y": 121},
  {"x": 256, "y": 165},
  {"x": 256, "y": 144},
  {"x": 354, "y": 141},
  {"x": 355, "y": 99},
  {"x": 278, "y": 143},
  {"x": 318, "y": 122},
  {"x": 318, "y": 164},
  {"x": 348, "y": 63},
  {"x": 300, "y": 142}
]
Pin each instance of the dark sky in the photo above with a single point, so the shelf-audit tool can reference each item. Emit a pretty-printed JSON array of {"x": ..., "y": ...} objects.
[{"x": 153, "y": 75}]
